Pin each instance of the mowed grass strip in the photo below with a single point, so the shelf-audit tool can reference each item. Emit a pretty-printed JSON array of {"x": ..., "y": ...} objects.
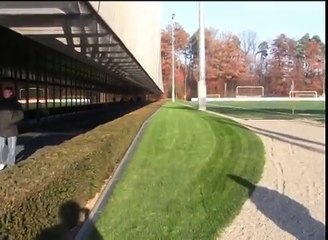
[
  {"x": 176, "y": 185},
  {"x": 314, "y": 110}
]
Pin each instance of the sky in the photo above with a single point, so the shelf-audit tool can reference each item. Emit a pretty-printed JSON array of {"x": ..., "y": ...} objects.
[{"x": 267, "y": 19}]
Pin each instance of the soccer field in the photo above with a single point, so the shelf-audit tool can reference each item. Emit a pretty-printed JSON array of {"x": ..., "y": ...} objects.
[{"x": 312, "y": 110}]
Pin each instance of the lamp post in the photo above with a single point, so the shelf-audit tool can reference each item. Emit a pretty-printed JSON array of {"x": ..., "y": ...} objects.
[
  {"x": 185, "y": 78},
  {"x": 173, "y": 80},
  {"x": 201, "y": 46}
]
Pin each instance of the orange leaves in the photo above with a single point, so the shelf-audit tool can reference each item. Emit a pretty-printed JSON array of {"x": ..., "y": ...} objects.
[
  {"x": 314, "y": 55},
  {"x": 181, "y": 39},
  {"x": 296, "y": 63},
  {"x": 229, "y": 58},
  {"x": 225, "y": 60},
  {"x": 283, "y": 63}
]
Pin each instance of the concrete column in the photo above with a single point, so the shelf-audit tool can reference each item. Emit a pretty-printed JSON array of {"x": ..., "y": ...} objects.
[{"x": 201, "y": 80}]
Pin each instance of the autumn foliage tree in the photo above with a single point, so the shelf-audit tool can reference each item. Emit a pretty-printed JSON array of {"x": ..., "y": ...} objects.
[
  {"x": 181, "y": 38},
  {"x": 296, "y": 65},
  {"x": 314, "y": 55},
  {"x": 226, "y": 62},
  {"x": 280, "y": 66}
]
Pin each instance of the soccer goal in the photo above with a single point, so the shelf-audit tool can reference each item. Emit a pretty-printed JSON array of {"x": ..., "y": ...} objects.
[
  {"x": 303, "y": 94},
  {"x": 249, "y": 91}
]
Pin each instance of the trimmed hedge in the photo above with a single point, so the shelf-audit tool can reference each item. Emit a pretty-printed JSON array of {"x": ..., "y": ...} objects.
[{"x": 32, "y": 192}]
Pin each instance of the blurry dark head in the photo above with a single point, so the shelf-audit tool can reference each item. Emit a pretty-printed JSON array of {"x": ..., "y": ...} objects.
[
  {"x": 245, "y": 183},
  {"x": 69, "y": 214},
  {"x": 8, "y": 92}
]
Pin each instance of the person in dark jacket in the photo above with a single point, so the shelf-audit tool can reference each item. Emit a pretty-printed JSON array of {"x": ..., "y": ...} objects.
[{"x": 11, "y": 113}]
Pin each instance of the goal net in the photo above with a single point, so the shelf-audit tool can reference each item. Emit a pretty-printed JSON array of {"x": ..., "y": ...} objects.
[
  {"x": 303, "y": 94},
  {"x": 249, "y": 91}
]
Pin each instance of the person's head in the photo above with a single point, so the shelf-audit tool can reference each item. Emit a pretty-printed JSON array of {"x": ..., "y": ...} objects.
[
  {"x": 8, "y": 92},
  {"x": 69, "y": 214}
]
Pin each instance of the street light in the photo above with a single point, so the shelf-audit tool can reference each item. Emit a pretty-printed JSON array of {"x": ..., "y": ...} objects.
[
  {"x": 185, "y": 78},
  {"x": 173, "y": 91},
  {"x": 201, "y": 47}
]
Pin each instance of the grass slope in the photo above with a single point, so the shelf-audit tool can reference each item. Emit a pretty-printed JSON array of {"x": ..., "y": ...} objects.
[{"x": 176, "y": 185}]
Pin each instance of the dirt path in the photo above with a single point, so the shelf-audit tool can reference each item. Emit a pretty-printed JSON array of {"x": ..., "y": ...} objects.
[{"x": 288, "y": 202}]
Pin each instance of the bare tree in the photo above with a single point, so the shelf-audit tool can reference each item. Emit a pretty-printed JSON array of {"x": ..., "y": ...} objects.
[{"x": 248, "y": 41}]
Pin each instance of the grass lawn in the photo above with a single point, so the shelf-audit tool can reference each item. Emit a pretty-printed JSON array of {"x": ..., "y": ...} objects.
[
  {"x": 271, "y": 110},
  {"x": 176, "y": 185}
]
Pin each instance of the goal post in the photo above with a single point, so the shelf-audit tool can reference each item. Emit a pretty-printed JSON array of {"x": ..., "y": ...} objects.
[
  {"x": 293, "y": 94},
  {"x": 249, "y": 91}
]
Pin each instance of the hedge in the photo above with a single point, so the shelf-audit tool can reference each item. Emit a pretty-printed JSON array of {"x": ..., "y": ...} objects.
[{"x": 32, "y": 192}]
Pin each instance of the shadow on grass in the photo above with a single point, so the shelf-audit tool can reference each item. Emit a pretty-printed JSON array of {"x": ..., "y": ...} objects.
[
  {"x": 270, "y": 113},
  {"x": 286, "y": 213},
  {"x": 180, "y": 107},
  {"x": 287, "y": 138},
  {"x": 70, "y": 222}
]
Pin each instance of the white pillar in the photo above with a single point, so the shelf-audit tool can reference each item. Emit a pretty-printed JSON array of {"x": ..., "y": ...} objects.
[
  {"x": 225, "y": 89},
  {"x": 185, "y": 79},
  {"x": 172, "y": 66},
  {"x": 201, "y": 47}
]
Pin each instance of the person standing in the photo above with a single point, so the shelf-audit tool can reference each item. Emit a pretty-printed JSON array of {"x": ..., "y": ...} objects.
[{"x": 11, "y": 112}]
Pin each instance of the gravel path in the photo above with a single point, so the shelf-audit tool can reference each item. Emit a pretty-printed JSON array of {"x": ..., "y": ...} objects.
[{"x": 288, "y": 202}]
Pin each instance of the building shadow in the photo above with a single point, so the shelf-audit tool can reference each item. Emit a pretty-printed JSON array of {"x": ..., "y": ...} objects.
[
  {"x": 70, "y": 214},
  {"x": 286, "y": 213},
  {"x": 55, "y": 132}
]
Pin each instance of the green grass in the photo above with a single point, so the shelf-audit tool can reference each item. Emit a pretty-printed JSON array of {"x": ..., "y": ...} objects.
[
  {"x": 176, "y": 185},
  {"x": 271, "y": 110}
]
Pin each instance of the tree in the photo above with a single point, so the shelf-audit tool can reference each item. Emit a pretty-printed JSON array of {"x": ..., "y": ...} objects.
[
  {"x": 211, "y": 68},
  {"x": 181, "y": 39},
  {"x": 248, "y": 44},
  {"x": 248, "y": 41},
  {"x": 300, "y": 51},
  {"x": 263, "y": 51},
  {"x": 315, "y": 64},
  {"x": 282, "y": 64},
  {"x": 309, "y": 63},
  {"x": 225, "y": 60}
]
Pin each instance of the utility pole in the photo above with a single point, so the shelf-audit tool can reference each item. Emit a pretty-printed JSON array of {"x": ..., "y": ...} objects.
[
  {"x": 173, "y": 80},
  {"x": 201, "y": 47}
]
